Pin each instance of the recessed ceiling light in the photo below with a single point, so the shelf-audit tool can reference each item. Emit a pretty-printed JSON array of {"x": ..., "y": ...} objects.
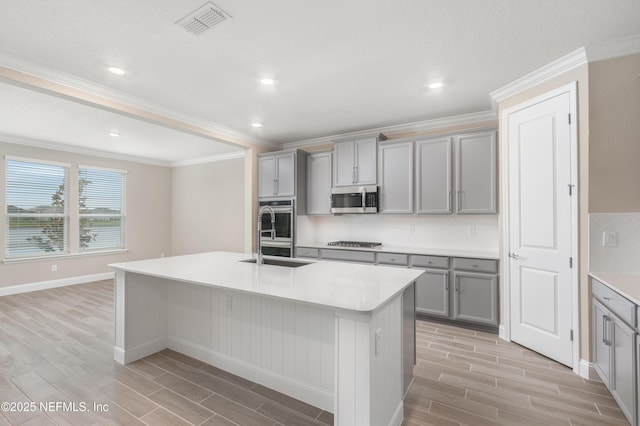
[
  {"x": 256, "y": 124},
  {"x": 267, "y": 81},
  {"x": 116, "y": 70},
  {"x": 114, "y": 134},
  {"x": 435, "y": 85}
]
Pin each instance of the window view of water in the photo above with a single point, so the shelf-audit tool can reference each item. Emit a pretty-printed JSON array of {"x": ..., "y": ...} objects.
[{"x": 18, "y": 244}]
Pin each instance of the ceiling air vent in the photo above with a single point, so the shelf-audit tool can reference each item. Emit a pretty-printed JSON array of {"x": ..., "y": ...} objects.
[{"x": 203, "y": 18}]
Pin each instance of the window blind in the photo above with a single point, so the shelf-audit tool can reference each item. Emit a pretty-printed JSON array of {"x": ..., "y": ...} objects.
[
  {"x": 101, "y": 209},
  {"x": 36, "y": 216}
]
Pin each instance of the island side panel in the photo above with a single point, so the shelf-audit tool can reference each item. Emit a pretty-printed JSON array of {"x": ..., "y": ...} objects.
[
  {"x": 369, "y": 367},
  {"x": 140, "y": 316},
  {"x": 281, "y": 344}
]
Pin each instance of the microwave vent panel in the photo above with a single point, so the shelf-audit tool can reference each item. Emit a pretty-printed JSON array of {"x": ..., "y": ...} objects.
[{"x": 203, "y": 18}]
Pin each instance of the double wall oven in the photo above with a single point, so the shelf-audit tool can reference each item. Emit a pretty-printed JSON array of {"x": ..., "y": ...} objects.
[{"x": 282, "y": 242}]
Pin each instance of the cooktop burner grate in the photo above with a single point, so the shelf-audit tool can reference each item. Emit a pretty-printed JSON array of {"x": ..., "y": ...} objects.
[{"x": 366, "y": 244}]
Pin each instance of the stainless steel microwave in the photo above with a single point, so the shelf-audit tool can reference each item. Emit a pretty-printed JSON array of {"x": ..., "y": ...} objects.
[{"x": 354, "y": 199}]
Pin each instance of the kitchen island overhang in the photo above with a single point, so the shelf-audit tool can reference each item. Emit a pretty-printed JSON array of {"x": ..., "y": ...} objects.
[{"x": 327, "y": 333}]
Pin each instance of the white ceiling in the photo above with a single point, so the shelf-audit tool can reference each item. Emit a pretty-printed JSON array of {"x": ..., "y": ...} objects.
[{"x": 340, "y": 66}]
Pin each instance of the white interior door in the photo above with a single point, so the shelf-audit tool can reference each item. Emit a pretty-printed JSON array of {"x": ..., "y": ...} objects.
[{"x": 540, "y": 226}]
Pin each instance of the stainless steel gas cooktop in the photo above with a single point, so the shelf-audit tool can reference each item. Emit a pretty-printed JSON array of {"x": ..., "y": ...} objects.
[{"x": 364, "y": 244}]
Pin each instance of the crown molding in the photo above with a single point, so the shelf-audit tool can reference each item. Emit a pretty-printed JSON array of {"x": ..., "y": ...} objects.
[
  {"x": 596, "y": 52},
  {"x": 419, "y": 126},
  {"x": 210, "y": 159},
  {"x": 547, "y": 72},
  {"x": 88, "y": 87},
  {"x": 38, "y": 143},
  {"x": 614, "y": 48}
]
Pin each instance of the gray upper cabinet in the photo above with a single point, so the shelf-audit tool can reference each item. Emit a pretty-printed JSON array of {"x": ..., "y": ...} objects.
[
  {"x": 355, "y": 162},
  {"x": 319, "y": 183},
  {"x": 277, "y": 175},
  {"x": 476, "y": 173},
  {"x": 395, "y": 177},
  {"x": 433, "y": 176},
  {"x": 282, "y": 174}
]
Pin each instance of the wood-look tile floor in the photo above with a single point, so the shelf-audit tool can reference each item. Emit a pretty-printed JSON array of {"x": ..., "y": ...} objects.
[
  {"x": 56, "y": 347},
  {"x": 466, "y": 377}
]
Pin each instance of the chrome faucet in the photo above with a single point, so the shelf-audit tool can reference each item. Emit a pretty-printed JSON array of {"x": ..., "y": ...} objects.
[{"x": 272, "y": 231}]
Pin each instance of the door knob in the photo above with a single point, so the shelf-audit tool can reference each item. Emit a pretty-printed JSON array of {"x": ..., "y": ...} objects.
[{"x": 514, "y": 255}]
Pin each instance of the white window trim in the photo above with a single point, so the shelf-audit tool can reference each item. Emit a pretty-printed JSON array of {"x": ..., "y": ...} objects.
[{"x": 73, "y": 249}]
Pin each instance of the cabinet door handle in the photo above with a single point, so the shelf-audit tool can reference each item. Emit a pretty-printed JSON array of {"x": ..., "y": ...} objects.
[
  {"x": 450, "y": 201},
  {"x": 353, "y": 174},
  {"x": 459, "y": 200},
  {"x": 606, "y": 339},
  {"x": 275, "y": 187},
  {"x": 446, "y": 281}
]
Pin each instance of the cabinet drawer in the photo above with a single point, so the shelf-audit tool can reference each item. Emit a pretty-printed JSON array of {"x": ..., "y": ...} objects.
[
  {"x": 477, "y": 265},
  {"x": 430, "y": 261},
  {"x": 348, "y": 255},
  {"x": 393, "y": 259},
  {"x": 307, "y": 252},
  {"x": 622, "y": 307}
]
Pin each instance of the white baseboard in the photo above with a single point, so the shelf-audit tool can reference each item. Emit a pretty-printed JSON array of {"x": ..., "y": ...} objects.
[
  {"x": 587, "y": 371},
  {"x": 502, "y": 333},
  {"x": 398, "y": 415},
  {"x": 44, "y": 285},
  {"x": 304, "y": 392},
  {"x": 133, "y": 354}
]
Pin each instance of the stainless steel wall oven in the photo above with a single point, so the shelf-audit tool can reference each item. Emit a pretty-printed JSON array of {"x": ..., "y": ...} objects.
[{"x": 284, "y": 226}]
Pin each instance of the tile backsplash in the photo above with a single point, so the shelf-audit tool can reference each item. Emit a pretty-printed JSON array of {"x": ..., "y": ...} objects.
[
  {"x": 468, "y": 232},
  {"x": 624, "y": 256}
]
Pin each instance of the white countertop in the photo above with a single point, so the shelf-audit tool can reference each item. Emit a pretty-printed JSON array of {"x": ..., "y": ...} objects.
[
  {"x": 476, "y": 254},
  {"x": 627, "y": 285},
  {"x": 349, "y": 286}
]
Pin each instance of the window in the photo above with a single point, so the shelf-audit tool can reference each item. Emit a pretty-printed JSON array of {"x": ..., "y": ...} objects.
[
  {"x": 36, "y": 216},
  {"x": 101, "y": 209}
]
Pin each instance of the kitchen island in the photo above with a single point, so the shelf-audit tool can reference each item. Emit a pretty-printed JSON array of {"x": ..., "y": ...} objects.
[{"x": 335, "y": 335}]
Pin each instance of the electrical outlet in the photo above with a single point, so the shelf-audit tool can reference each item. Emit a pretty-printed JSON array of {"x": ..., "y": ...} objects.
[
  {"x": 378, "y": 342},
  {"x": 54, "y": 268},
  {"x": 229, "y": 303},
  {"x": 609, "y": 239}
]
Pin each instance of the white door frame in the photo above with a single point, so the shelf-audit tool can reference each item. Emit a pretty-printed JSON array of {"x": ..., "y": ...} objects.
[{"x": 505, "y": 328}]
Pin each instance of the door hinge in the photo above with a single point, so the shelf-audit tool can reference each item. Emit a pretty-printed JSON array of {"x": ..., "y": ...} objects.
[
  {"x": 569, "y": 118},
  {"x": 570, "y": 185},
  {"x": 571, "y": 335},
  {"x": 571, "y": 262}
]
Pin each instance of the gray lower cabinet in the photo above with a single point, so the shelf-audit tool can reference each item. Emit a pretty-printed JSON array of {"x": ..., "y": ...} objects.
[
  {"x": 614, "y": 347},
  {"x": 601, "y": 343},
  {"x": 458, "y": 294},
  {"x": 348, "y": 255},
  {"x": 457, "y": 289},
  {"x": 432, "y": 293},
  {"x": 475, "y": 297},
  {"x": 408, "y": 337}
]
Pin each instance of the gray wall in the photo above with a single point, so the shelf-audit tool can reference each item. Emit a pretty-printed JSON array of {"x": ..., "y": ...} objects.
[
  {"x": 147, "y": 221},
  {"x": 208, "y": 202}
]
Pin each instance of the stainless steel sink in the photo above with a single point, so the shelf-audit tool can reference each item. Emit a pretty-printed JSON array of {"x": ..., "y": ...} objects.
[{"x": 279, "y": 262}]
